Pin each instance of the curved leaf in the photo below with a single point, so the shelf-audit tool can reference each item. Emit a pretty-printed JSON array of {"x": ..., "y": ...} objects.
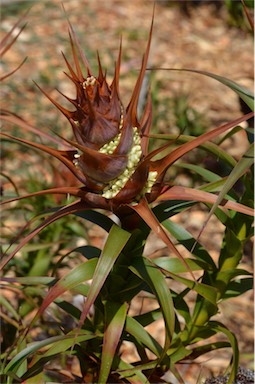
[
  {"x": 242, "y": 166},
  {"x": 205, "y": 173},
  {"x": 144, "y": 211},
  {"x": 237, "y": 288},
  {"x": 201, "y": 196},
  {"x": 174, "y": 265},
  {"x": 157, "y": 282},
  {"x": 98, "y": 218},
  {"x": 187, "y": 240},
  {"x": 76, "y": 276},
  {"x": 177, "y": 153},
  {"x": 132, "y": 373},
  {"x": 115, "y": 242},
  {"x": 30, "y": 280},
  {"x": 206, "y": 291},
  {"x": 137, "y": 330},
  {"x": 208, "y": 147},
  {"x": 63, "y": 211},
  {"x": 115, "y": 316},
  {"x": 36, "y": 346},
  {"x": 218, "y": 327},
  {"x": 201, "y": 350},
  {"x": 242, "y": 92}
]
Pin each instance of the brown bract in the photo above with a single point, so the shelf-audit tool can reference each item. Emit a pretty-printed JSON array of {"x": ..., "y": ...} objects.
[{"x": 111, "y": 143}]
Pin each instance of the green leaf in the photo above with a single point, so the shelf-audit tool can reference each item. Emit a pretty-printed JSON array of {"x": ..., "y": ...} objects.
[
  {"x": 170, "y": 208},
  {"x": 181, "y": 306},
  {"x": 218, "y": 327},
  {"x": 10, "y": 308},
  {"x": 230, "y": 134},
  {"x": 187, "y": 240},
  {"x": 30, "y": 280},
  {"x": 66, "y": 343},
  {"x": 208, "y": 147},
  {"x": 132, "y": 373},
  {"x": 214, "y": 186},
  {"x": 88, "y": 251},
  {"x": 115, "y": 242},
  {"x": 207, "y": 175},
  {"x": 231, "y": 252},
  {"x": 242, "y": 92},
  {"x": 174, "y": 265},
  {"x": 206, "y": 291},
  {"x": 201, "y": 350},
  {"x": 76, "y": 276},
  {"x": 98, "y": 218},
  {"x": 115, "y": 316},
  {"x": 22, "y": 368},
  {"x": 16, "y": 362},
  {"x": 237, "y": 288},
  {"x": 157, "y": 282},
  {"x": 178, "y": 353},
  {"x": 148, "y": 317},
  {"x": 134, "y": 328},
  {"x": 242, "y": 166}
]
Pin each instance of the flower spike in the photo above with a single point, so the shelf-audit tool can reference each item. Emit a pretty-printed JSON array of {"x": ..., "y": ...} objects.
[{"x": 109, "y": 154}]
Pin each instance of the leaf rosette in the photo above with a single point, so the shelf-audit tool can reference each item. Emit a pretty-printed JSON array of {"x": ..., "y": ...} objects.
[{"x": 109, "y": 153}]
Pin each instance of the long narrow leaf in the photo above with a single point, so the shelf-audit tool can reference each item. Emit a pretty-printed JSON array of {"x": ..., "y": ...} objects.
[
  {"x": 96, "y": 217},
  {"x": 73, "y": 191},
  {"x": 132, "y": 373},
  {"x": 17, "y": 120},
  {"x": 116, "y": 240},
  {"x": 208, "y": 147},
  {"x": 157, "y": 282},
  {"x": 188, "y": 241},
  {"x": 242, "y": 92},
  {"x": 218, "y": 327},
  {"x": 64, "y": 211},
  {"x": 29, "y": 280},
  {"x": 115, "y": 316},
  {"x": 191, "y": 194},
  {"x": 242, "y": 166},
  {"x": 187, "y": 147},
  {"x": 151, "y": 220},
  {"x": 205, "y": 173},
  {"x": 76, "y": 276},
  {"x": 137, "y": 330},
  {"x": 36, "y": 346},
  {"x": 63, "y": 156},
  {"x": 207, "y": 291}
]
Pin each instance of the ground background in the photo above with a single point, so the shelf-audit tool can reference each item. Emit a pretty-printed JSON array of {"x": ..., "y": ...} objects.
[{"x": 202, "y": 39}]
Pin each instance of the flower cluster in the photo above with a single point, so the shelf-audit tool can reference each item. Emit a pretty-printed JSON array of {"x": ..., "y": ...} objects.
[{"x": 111, "y": 144}]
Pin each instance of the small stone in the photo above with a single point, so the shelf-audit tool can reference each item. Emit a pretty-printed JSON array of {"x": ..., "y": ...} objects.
[{"x": 243, "y": 376}]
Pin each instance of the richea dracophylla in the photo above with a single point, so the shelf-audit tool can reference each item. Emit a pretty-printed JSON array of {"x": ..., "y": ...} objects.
[
  {"x": 110, "y": 159},
  {"x": 109, "y": 153}
]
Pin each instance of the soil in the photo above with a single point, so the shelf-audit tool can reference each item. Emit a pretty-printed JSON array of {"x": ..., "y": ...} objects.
[{"x": 201, "y": 39}]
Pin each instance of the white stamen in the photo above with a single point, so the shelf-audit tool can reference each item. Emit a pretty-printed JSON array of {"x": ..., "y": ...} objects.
[
  {"x": 134, "y": 156},
  {"x": 89, "y": 81}
]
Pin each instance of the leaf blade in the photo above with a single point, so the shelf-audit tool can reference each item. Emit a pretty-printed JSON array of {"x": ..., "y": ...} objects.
[
  {"x": 115, "y": 242},
  {"x": 115, "y": 316}
]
